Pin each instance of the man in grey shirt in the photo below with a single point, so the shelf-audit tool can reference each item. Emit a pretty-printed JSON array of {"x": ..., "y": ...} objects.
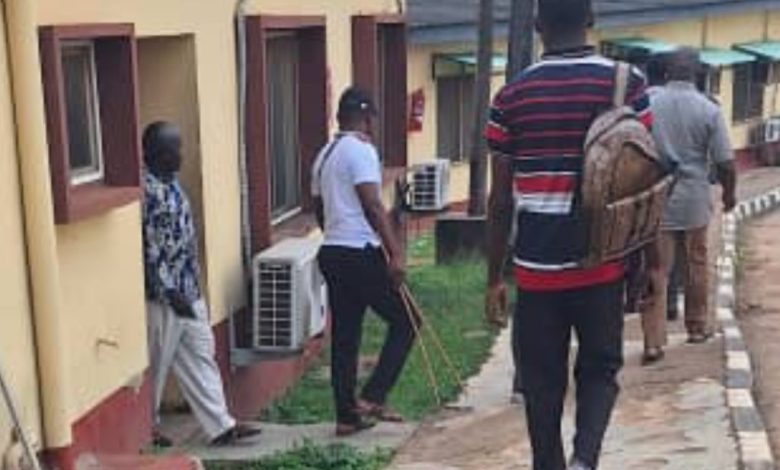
[{"x": 690, "y": 131}]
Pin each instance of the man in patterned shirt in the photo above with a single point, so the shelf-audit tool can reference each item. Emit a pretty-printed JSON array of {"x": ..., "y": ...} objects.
[
  {"x": 537, "y": 129},
  {"x": 179, "y": 331}
]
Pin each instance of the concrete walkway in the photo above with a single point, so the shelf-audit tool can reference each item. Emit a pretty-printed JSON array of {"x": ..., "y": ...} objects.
[
  {"x": 279, "y": 438},
  {"x": 669, "y": 417}
]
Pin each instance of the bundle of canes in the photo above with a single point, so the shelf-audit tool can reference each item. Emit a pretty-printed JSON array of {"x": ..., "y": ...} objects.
[{"x": 421, "y": 326}]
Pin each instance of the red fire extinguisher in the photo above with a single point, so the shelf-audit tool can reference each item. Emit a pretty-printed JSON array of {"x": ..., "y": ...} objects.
[{"x": 417, "y": 111}]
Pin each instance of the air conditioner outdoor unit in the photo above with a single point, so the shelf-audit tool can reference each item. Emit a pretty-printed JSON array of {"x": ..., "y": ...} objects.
[
  {"x": 289, "y": 296},
  {"x": 430, "y": 186},
  {"x": 772, "y": 130}
]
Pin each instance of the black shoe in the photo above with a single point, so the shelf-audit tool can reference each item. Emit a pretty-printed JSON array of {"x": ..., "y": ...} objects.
[
  {"x": 235, "y": 434},
  {"x": 161, "y": 441}
]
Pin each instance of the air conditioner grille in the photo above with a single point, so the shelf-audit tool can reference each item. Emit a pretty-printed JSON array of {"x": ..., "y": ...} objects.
[
  {"x": 426, "y": 188},
  {"x": 429, "y": 186},
  {"x": 275, "y": 306}
]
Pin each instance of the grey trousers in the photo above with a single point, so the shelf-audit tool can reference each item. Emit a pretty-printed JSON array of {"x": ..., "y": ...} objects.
[{"x": 187, "y": 347}]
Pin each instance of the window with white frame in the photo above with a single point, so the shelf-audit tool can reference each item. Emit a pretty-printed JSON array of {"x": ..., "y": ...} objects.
[
  {"x": 283, "y": 124},
  {"x": 82, "y": 111},
  {"x": 455, "y": 103}
]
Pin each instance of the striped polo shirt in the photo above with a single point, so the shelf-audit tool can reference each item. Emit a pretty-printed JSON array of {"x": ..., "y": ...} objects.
[{"x": 540, "y": 122}]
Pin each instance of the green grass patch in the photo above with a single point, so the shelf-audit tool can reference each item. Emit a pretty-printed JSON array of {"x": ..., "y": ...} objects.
[
  {"x": 311, "y": 457},
  {"x": 451, "y": 298}
]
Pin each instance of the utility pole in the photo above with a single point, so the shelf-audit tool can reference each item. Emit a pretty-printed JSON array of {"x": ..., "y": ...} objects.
[
  {"x": 478, "y": 162},
  {"x": 521, "y": 37},
  {"x": 521, "y": 55}
]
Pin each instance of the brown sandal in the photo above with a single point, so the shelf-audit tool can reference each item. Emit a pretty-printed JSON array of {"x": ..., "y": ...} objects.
[{"x": 378, "y": 412}]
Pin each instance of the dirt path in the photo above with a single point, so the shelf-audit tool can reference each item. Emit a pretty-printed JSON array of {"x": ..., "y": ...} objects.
[{"x": 759, "y": 313}]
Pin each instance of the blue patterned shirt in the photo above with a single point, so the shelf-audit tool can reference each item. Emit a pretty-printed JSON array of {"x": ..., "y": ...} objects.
[{"x": 170, "y": 241}]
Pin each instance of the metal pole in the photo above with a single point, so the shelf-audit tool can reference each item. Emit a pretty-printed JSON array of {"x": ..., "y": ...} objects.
[
  {"x": 478, "y": 163},
  {"x": 21, "y": 434},
  {"x": 521, "y": 38}
]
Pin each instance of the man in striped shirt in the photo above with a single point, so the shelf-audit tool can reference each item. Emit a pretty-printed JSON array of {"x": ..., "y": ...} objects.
[{"x": 538, "y": 124}]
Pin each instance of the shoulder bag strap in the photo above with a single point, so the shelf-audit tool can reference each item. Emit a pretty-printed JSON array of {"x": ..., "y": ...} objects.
[
  {"x": 327, "y": 155},
  {"x": 622, "y": 74}
]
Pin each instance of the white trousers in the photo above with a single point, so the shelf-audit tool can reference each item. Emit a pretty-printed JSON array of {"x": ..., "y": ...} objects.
[{"x": 187, "y": 346}]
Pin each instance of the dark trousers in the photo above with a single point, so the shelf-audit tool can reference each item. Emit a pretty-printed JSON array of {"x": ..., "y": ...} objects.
[
  {"x": 517, "y": 379},
  {"x": 676, "y": 282},
  {"x": 545, "y": 321},
  {"x": 358, "y": 279}
]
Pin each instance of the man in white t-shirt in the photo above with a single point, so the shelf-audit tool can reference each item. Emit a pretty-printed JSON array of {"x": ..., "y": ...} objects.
[{"x": 363, "y": 264}]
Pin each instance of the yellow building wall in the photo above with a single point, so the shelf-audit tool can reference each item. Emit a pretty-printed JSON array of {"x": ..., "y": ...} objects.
[
  {"x": 422, "y": 145},
  {"x": 18, "y": 358},
  {"x": 100, "y": 259},
  {"x": 774, "y": 25},
  {"x": 725, "y": 31},
  {"x": 685, "y": 33},
  {"x": 103, "y": 295}
]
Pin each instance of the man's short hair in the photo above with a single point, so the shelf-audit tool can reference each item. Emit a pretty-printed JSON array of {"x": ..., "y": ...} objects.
[
  {"x": 684, "y": 63},
  {"x": 563, "y": 14},
  {"x": 160, "y": 137}
]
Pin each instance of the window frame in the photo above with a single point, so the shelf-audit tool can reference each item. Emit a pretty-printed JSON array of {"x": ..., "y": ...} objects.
[
  {"x": 748, "y": 112},
  {"x": 709, "y": 80},
  {"x": 95, "y": 172},
  {"x": 313, "y": 123},
  {"x": 367, "y": 69},
  {"x": 465, "y": 87},
  {"x": 286, "y": 213},
  {"x": 116, "y": 81}
]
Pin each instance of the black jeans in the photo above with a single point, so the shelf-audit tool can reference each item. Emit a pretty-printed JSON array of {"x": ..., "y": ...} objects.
[
  {"x": 545, "y": 321},
  {"x": 358, "y": 279},
  {"x": 517, "y": 379}
]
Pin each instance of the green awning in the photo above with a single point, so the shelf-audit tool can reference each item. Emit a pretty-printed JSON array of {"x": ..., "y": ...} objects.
[
  {"x": 725, "y": 57},
  {"x": 648, "y": 46},
  {"x": 766, "y": 50},
  {"x": 464, "y": 64}
]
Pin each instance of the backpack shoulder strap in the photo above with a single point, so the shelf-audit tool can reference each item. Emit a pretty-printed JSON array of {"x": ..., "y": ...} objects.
[{"x": 622, "y": 75}]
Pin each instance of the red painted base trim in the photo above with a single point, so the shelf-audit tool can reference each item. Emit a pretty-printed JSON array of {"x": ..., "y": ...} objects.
[
  {"x": 250, "y": 389},
  {"x": 121, "y": 424}
]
